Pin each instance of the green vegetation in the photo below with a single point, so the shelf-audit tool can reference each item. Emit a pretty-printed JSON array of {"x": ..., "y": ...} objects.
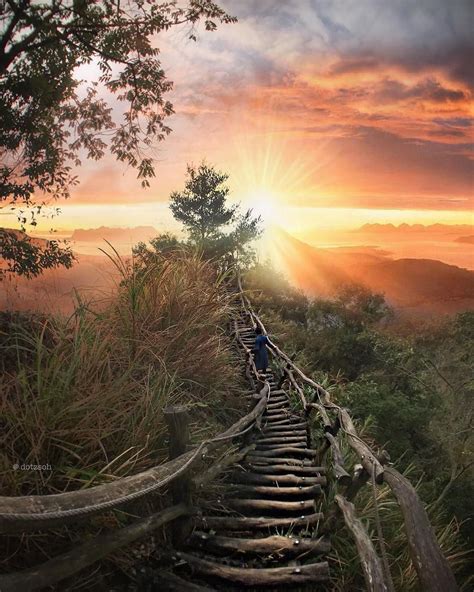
[
  {"x": 50, "y": 120},
  {"x": 206, "y": 216},
  {"x": 415, "y": 385}
]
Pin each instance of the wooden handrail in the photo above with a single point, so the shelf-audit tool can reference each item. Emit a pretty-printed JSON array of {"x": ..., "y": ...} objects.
[
  {"x": 371, "y": 564},
  {"x": 433, "y": 570}
]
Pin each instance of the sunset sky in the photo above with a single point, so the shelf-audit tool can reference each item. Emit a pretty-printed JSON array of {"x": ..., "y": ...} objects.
[{"x": 324, "y": 113}]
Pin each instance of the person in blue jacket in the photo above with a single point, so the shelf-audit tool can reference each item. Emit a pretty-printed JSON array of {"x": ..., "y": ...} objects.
[{"x": 260, "y": 351}]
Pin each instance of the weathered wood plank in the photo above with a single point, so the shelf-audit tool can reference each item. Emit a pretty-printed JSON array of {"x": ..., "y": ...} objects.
[
  {"x": 433, "y": 570},
  {"x": 371, "y": 564},
  {"x": 342, "y": 476},
  {"x": 271, "y": 545},
  {"x": 277, "y": 492},
  {"x": 280, "y": 480},
  {"x": 260, "y": 505},
  {"x": 313, "y": 572},
  {"x": 224, "y": 523}
]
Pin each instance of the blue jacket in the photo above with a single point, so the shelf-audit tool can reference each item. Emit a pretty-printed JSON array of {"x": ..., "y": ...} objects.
[{"x": 261, "y": 353}]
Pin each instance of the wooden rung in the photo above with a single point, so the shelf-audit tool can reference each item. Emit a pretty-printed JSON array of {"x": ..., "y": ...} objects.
[
  {"x": 271, "y": 545},
  {"x": 281, "y": 439},
  {"x": 284, "y": 427},
  {"x": 312, "y": 572},
  {"x": 284, "y": 434},
  {"x": 280, "y": 480},
  {"x": 269, "y": 460},
  {"x": 301, "y": 491},
  {"x": 282, "y": 419},
  {"x": 224, "y": 523},
  {"x": 285, "y": 468},
  {"x": 279, "y": 445},
  {"x": 260, "y": 505},
  {"x": 286, "y": 451}
]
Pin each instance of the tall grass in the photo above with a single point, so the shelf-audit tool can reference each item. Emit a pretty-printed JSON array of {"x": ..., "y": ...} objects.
[{"x": 86, "y": 394}]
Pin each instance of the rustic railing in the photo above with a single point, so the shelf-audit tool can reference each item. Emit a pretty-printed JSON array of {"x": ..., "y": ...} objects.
[
  {"x": 42, "y": 512},
  {"x": 432, "y": 568}
]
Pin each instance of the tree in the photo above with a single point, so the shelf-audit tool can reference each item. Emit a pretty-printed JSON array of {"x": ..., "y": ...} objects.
[
  {"x": 202, "y": 208},
  {"x": 49, "y": 119},
  {"x": 159, "y": 248}
]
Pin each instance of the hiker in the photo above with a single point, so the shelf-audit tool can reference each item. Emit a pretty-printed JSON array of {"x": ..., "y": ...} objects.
[{"x": 260, "y": 351}]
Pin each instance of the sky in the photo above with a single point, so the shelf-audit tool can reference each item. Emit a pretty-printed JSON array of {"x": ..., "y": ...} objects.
[{"x": 324, "y": 113}]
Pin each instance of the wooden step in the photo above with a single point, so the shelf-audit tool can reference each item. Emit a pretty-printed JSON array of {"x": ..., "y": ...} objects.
[
  {"x": 269, "y": 507},
  {"x": 283, "y": 420},
  {"x": 281, "y": 440},
  {"x": 278, "y": 404},
  {"x": 278, "y": 446},
  {"x": 270, "y": 469},
  {"x": 271, "y": 576},
  {"x": 272, "y": 545},
  {"x": 284, "y": 434},
  {"x": 286, "y": 451},
  {"x": 306, "y": 491},
  {"x": 283, "y": 427},
  {"x": 246, "y": 524},
  {"x": 280, "y": 480},
  {"x": 276, "y": 460}
]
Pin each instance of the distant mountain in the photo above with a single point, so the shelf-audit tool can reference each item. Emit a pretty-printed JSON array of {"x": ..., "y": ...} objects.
[
  {"x": 414, "y": 228},
  {"x": 19, "y": 234},
  {"x": 466, "y": 239},
  {"x": 123, "y": 235},
  {"x": 418, "y": 284}
]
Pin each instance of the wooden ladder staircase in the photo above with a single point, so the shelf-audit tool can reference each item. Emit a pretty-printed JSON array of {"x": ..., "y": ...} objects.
[{"x": 262, "y": 533}]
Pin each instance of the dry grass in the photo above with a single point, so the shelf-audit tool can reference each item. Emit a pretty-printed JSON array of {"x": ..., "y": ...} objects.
[{"x": 86, "y": 394}]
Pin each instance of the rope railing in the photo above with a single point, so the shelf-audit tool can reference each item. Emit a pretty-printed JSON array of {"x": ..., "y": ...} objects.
[{"x": 433, "y": 570}]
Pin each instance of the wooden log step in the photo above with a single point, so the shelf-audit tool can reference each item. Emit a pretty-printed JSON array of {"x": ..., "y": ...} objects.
[
  {"x": 271, "y": 469},
  {"x": 282, "y": 439},
  {"x": 277, "y": 411},
  {"x": 278, "y": 399},
  {"x": 288, "y": 420},
  {"x": 297, "y": 442},
  {"x": 285, "y": 451},
  {"x": 279, "y": 392},
  {"x": 276, "y": 460},
  {"x": 283, "y": 434},
  {"x": 271, "y": 545},
  {"x": 271, "y": 576},
  {"x": 246, "y": 524},
  {"x": 280, "y": 480},
  {"x": 301, "y": 491},
  {"x": 270, "y": 506},
  {"x": 270, "y": 428},
  {"x": 279, "y": 447},
  {"x": 277, "y": 404}
]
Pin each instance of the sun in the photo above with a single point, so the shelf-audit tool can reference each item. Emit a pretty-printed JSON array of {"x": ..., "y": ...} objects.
[{"x": 264, "y": 203}]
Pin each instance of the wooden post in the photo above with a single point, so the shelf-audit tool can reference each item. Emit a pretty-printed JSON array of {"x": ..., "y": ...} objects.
[{"x": 177, "y": 420}]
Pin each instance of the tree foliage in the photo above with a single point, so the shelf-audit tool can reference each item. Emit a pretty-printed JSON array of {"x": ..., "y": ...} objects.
[
  {"x": 50, "y": 120},
  {"x": 213, "y": 225}
]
